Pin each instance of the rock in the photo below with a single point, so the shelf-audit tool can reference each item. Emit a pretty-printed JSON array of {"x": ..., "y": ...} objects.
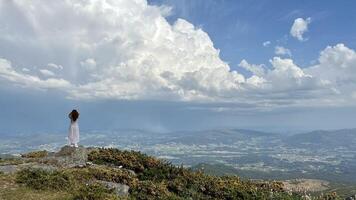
[
  {"x": 119, "y": 189},
  {"x": 9, "y": 169},
  {"x": 70, "y": 151},
  {"x": 122, "y": 168},
  {"x": 89, "y": 164},
  {"x": 353, "y": 197},
  {"x": 9, "y": 156},
  {"x": 131, "y": 172},
  {"x": 70, "y": 157},
  {"x": 44, "y": 167}
]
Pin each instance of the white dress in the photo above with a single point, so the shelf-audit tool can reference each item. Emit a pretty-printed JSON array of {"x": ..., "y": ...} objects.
[{"x": 73, "y": 135}]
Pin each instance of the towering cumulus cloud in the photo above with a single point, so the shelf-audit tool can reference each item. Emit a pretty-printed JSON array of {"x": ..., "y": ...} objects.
[
  {"x": 126, "y": 49},
  {"x": 115, "y": 49}
]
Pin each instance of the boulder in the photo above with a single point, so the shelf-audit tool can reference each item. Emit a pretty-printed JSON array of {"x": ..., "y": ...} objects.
[
  {"x": 353, "y": 197},
  {"x": 71, "y": 156},
  {"x": 9, "y": 169},
  {"x": 48, "y": 168},
  {"x": 119, "y": 189},
  {"x": 9, "y": 156}
]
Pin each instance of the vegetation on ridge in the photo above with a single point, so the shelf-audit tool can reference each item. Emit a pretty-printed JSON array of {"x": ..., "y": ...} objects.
[
  {"x": 147, "y": 178},
  {"x": 35, "y": 154}
]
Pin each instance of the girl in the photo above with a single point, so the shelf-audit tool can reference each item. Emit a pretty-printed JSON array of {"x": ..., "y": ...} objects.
[{"x": 73, "y": 135}]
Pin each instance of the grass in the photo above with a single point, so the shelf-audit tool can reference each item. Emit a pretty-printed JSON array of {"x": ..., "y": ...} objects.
[
  {"x": 39, "y": 179},
  {"x": 132, "y": 160},
  {"x": 11, "y": 161},
  {"x": 94, "y": 192},
  {"x": 153, "y": 179},
  {"x": 28, "y": 194},
  {"x": 79, "y": 184},
  {"x": 10, "y": 190}
]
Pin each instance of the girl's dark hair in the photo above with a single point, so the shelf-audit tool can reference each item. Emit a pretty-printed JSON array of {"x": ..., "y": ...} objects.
[{"x": 74, "y": 115}]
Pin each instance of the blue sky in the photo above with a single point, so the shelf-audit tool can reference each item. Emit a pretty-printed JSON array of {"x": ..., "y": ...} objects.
[
  {"x": 167, "y": 65},
  {"x": 238, "y": 28}
]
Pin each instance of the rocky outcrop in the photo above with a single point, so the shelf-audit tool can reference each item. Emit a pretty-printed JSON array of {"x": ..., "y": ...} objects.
[
  {"x": 67, "y": 157},
  {"x": 9, "y": 169},
  {"x": 12, "y": 168},
  {"x": 353, "y": 197},
  {"x": 119, "y": 189},
  {"x": 72, "y": 156},
  {"x": 9, "y": 156}
]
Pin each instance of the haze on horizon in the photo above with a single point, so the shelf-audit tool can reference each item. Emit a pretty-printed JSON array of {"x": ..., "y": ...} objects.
[{"x": 167, "y": 65}]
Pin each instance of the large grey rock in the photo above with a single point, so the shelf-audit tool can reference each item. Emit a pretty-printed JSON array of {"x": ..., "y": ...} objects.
[
  {"x": 48, "y": 168},
  {"x": 9, "y": 156},
  {"x": 353, "y": 197},
  {"x": 119, "y": 189},
  {"x": 71, "y": 157},
  {"x": 9, "y": 169}
]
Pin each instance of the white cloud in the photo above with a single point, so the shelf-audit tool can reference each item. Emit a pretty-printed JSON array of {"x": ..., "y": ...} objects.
[
  {"x": 287, "y": 75},
  {"x": 279, "y": 50},
  {"x": 127, "y": 50},
  {"x": 7, "y": 72},
  {"x": 46, "y": 72},
  {"x": 25, "y": 69},
  {"x": 166, "y": 10},
  {"x": 299, "y": 27},
  {"x": 55, "y": 66},
  {"x": 138, "y": 54},
  {"x": 89, "y": 64},
  {"x": 354, "y": 95},
  {"x": 336, "y": 64},
  {"x": 255, "y": 69},
  {"x": 337, "y": 67},
  {"x": 266, "y": 43}
]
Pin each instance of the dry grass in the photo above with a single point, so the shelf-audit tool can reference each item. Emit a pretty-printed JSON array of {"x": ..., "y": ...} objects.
[
  {"x": 12, "y": 161},
  {"x": 9, "y": 190}
]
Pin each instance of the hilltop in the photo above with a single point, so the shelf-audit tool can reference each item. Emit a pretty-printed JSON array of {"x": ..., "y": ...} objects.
[{"x": 98, "y": 174}]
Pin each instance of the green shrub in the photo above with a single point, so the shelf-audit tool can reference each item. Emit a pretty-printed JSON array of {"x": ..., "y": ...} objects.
[
  {"x": 158, "y": 179},
  {"x": 35, "y": 154},
  {"x": 42, "y": 180},
  {"x": 165, "y": 171},
  {"x": 132, "y": 160},
  {"x": 146, "y": 190},
  {"x": 102, "y": 173},
  {"x": 94, "y": 191},
  {"x": 11, "y": 161},
  {"x": 330, "y": 196}
]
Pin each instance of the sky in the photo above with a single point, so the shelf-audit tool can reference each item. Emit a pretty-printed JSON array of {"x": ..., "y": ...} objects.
[{"x": 166, "y": 65}]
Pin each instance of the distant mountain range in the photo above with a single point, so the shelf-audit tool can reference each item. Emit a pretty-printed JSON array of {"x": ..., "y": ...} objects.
[{"x": 330, "y": 139}]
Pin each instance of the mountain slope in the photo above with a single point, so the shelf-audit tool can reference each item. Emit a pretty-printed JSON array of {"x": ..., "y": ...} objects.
[{"x": 90, "y": 173}]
